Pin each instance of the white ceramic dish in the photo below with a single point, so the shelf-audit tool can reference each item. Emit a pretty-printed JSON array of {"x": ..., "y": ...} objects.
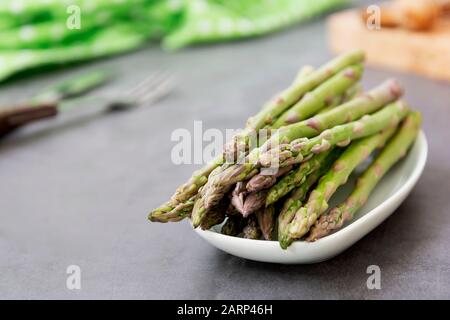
[{"x": 387, "y": 196}]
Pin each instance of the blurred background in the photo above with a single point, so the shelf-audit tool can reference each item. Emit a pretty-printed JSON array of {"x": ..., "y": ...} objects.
[{"x": 91, "y": 90}]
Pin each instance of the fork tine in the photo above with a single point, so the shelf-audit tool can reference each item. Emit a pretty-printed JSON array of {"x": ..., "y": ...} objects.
[
  {"x": 142, "y": 85},
  {"x": 158, "y": 91}
]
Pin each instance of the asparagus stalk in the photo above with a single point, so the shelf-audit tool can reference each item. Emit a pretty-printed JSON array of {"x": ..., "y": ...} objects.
[
  {"x": 317, "y": 203},
  {"x": 321, "y": 96},
  {"x": 266, "y": 221},
  {"x": 251, "y": 230},
  {"x": 351, "y": 93},
  {"x": 254, "y": 201},
  {"x": 214, "y": 216},
  {"x": 237, "y": 196},
  {"x": 172, "y": 213},
  {"x": 303, "y": 84},
  {"x": 388, "y": 91},
  {"x": 200, "y": 177},
  {"x": 178, "y": 209},
  {"x": 262, "y": 181},
  {"x": 233, "y": 225},
  {"x": 341, "y": 135},
  {"x": 197, "y": 180},
  {"x": 295, "y": 178},
  {"x": 208, "y": 198},
  {"x": 295, "y": 200},
  {"x": 391, "y": 154},
  {"x": 183, "y": 195},
  {"x": 298, "y": 195},
  {"x": 239, "y": 144},
  {"x": 302, "y": 73},
  {"x": 298, "y": 149}
]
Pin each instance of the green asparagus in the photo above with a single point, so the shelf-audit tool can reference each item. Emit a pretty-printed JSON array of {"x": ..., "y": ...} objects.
[
  {"x": 325, "y": 126},
  {"x": 351, "y": 93},
  {"x": 388, "y": 91},
  {"x": 320, "y": 97},
  {"x": 341, "y": 135},
  {"x": 237, "y": 196},
  {"x": 263, "y": 181},
  {"x": 214, "y": 216},
  {"x": 375, "y": 99},
  {"x": 251, "y": 230},
  {"x": 295, "y": 178},
  {"x": 253, "y": 201},
  {"x": 291, "y": 95},
  {"x": 233, "y": 225},
  {"x": 266, "y": 221},
  {"x": 298, "y": 195},
  {"x": 172, "y": 213},
  {"x": 395, "y": 149},
  {"x": 298, "y": 150},
  {"x": 239, "y": 144},
  {"x": 317, "y": 203}
]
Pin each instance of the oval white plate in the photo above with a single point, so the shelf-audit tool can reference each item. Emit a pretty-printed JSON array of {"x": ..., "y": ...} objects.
[{"x": 387, "y": 196}]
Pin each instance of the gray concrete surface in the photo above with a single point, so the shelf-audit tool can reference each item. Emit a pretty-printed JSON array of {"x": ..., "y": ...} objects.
[{"x": 76, "y": 190}]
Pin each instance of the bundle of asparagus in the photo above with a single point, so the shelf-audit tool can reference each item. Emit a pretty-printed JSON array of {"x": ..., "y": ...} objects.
[{"x": 324, "y": 127}]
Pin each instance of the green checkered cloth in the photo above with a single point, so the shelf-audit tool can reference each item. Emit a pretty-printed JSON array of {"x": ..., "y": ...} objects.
[{"x": 36, "y": 33}]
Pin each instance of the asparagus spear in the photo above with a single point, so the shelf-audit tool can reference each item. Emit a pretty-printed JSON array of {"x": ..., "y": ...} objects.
[
  {"x": 208, "y": 198},
  {"x": 200, "y": 177},
  {"x": 285, "y": 99},
  {"x": 341, "y": 135},
  {"x": 237, "y": 196},
  {"x": 295, "y": 178},
  {"x": 197, "y": 180},
  {"x": 392, "y": 153},
  {"x": 266, "y": 221},
  {"x": 253, "y": 201},
  {"x": 172, "y": 213},
  {"x": 178, "y": 209},
  {"x": 351, "y": 93},
  {"x": 388, "y": 91},
  {"x": 247, "y": 197},
  {"x": 233, "y": 225},
  {"x": 262, "y": 181},
  {"x": 298, "y": 149},
  {"x": 251, "y": 230},
  {"x": 324, "y": 94},
  {"x": 302, "y": 73},
  {"x": 215, "y": 216},
  {"x": 298, "y": 195},
  {"x": 240, "y": 142},
  {"x": 317, "y": 203}
]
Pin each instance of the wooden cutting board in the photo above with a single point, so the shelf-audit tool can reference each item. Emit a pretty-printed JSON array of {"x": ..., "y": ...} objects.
[{"x": 425, "y": 53}]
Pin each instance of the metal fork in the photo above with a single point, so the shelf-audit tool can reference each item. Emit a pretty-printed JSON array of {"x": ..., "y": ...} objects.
[{"x": 146, "y": 92}]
